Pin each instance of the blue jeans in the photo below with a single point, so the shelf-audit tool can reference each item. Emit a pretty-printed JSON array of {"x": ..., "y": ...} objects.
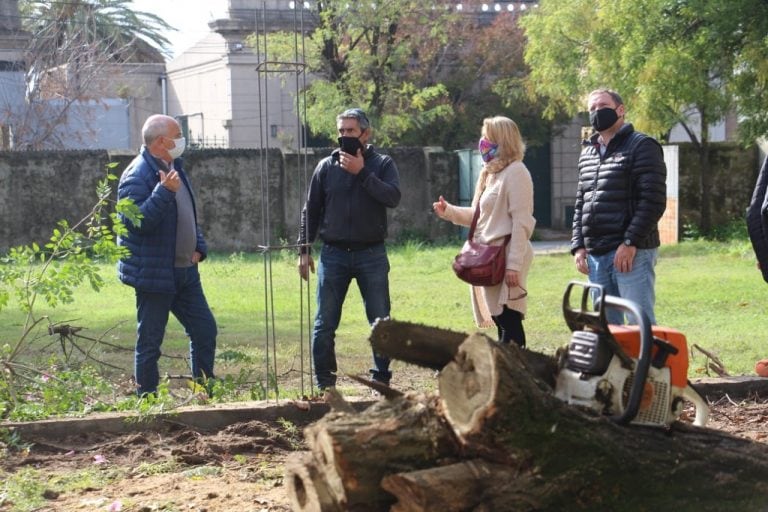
[
  {"x": 335, "y": 271},
  {"x": 637, "y": 285},
  {"x": 189, "y": 306}
]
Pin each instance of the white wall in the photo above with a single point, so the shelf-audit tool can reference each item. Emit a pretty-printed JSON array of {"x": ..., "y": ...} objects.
[
  {"x": 199, "y": 83},
  {"x": 139, "y": 85},
  {"x": 223, "y": 81}
]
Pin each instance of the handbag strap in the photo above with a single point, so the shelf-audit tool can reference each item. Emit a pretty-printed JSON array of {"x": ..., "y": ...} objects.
[{"x": 472, "y": 226}]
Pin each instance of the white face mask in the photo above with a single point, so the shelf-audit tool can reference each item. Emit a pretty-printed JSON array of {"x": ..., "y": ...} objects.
[{"x": 178, "y": 149}]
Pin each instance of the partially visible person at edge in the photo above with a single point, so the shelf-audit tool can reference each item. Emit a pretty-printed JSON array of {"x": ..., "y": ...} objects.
[
  {"x": 504, "y": 192},
  {"x": 757, "y": 220},
  {"x": 757, "y": 227},
  {"x": 346, "y": 207},
  {"x": 620, "y": 198},
  {"x": 166, "y": 248}
]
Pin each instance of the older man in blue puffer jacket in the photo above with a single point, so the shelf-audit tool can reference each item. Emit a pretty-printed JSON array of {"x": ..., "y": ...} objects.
[{"x": 166, "y": 246}]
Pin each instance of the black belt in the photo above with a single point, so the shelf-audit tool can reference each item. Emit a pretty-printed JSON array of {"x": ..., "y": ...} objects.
[{"x": 352, "y": 246}]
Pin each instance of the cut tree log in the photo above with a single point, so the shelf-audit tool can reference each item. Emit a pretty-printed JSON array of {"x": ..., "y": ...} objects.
[
  {"x": 354, "y": 451},
  {"x": 451, "y": 488},
  {"x": 430, "y": 347},
  {"x": 496, "y": 415},
  {"x": 482, "y": 387},
  {"x": 306, "y": 487},
  {"x": 433, "y": 347},
  {"x": 491, "y": 398}
]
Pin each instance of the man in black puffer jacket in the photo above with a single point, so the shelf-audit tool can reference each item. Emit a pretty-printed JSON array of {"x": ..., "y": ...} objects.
[
  {"x": 757, "y": 220},
  {"x": 620, "y": 198}
]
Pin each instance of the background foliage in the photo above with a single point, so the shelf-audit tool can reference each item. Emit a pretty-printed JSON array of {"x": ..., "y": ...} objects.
[
  {"x": 426, "y": 74},
  {"x": 693, "y": 63},
  {"x": 72, "y": 45}
]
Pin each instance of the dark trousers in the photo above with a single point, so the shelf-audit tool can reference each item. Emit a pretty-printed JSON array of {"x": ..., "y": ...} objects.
[
  {"x": 189, "y": 306},
  {"x": 510, "y": 326},
  {"x": 337, "y": 268}
]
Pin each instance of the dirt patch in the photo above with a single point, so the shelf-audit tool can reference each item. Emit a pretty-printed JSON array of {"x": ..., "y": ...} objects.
[
  {"x": 236, "y": 468},
  {"x": 173, "y": 468},
  {"x": 239, "y": 467},
  {"x": 746, "y": 419}
]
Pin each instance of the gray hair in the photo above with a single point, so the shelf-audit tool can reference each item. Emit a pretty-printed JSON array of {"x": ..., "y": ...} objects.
[
  {"x": 355, "y": 113},
  {"x": 155, "y": 126}
]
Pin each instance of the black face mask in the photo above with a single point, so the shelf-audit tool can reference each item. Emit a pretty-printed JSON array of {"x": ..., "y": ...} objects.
[
  {"x": 350, "y": 145},
  {"x": 603, "y": 118}
]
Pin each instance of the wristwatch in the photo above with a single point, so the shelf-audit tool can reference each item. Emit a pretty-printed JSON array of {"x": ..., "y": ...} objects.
[{"x": 628, "y": 242}]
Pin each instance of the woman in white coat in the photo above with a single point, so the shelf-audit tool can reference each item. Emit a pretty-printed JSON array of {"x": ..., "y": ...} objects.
[{"x": 504, "y": 192}]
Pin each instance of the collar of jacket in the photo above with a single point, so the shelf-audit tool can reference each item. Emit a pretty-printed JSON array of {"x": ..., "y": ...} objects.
[
  {"x": 158, "y": 164},
  {"x": 624, "y": 132}
]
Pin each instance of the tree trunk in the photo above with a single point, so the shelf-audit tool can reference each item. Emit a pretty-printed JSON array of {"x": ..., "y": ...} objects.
[
  {"x": 500, "y": 440},
  {"x": 705, "y": 172},
  {"x": 490, "y": 398}
]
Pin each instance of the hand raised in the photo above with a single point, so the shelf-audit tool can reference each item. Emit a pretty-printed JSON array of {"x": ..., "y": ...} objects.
[
  {"x": 353, "y": 164},
  {"x": 440, "y": 206},
  {"x": 170, "y": 180}
]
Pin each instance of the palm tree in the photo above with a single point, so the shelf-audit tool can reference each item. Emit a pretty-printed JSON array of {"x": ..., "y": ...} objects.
[
  {"x": 72, "y": 46},
  {"x": 109, "y": 29}
]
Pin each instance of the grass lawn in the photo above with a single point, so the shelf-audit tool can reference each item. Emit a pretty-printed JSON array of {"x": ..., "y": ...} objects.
[{"x": 710, "y": 291}]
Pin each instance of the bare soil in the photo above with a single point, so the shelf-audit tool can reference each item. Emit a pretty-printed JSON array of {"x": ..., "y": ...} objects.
[{"x": 238, "y": 468}]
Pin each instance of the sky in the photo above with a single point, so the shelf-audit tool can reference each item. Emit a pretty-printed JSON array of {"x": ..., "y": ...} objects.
[{"x": 189, "y": 17}]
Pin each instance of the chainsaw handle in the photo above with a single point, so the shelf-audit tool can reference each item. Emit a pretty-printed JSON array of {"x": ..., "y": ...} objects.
[
  {"x": 584, "y": 316},
  {"x": 643, "y": 360}
]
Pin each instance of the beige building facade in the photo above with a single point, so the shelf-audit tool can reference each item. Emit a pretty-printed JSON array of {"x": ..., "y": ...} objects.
[{"x": 227, "y": 95}]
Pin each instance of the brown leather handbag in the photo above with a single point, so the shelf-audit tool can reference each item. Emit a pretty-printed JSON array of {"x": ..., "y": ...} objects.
[{"x": 481, "y": 264}]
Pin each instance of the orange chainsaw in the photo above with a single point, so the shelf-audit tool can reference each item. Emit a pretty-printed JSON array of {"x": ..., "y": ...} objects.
[{"x": 634, "y": 373}]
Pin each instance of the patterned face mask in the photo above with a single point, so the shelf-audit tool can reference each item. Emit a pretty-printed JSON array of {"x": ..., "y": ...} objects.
[{"x": 488, "y": 149}]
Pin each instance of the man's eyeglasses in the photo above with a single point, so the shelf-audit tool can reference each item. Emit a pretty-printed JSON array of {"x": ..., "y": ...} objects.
[{"x": 524, "y": 294}]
